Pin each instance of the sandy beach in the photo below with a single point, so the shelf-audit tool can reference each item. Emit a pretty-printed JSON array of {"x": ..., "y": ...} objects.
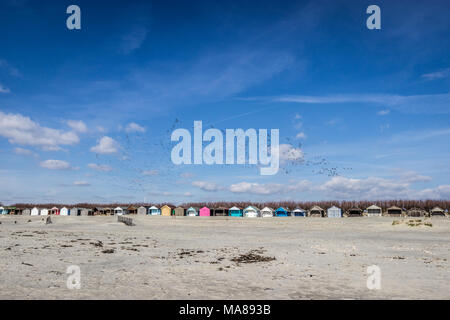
[{"x": 211, "y": 258}]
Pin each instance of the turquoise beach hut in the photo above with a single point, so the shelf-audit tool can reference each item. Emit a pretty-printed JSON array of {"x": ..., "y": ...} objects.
[
  {"x": 192, "y": 212},
  {"x": 281, "y": 212},
  {"x": 235, "y": 212}
]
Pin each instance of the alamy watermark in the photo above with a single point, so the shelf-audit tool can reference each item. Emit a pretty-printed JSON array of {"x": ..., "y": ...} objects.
[{"x": 213, "y": 153}]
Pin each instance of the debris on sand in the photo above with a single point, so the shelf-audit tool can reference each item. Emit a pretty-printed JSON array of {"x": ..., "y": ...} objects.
[
  {"x": 27, "y": 264},
  {"x": 252, "y": 257},
  {"x": 97, "y": 244},
  {"x": 109, "y": 251},
  {"x": 48, "y": 220},
  {"x": 398, "y": 258}
]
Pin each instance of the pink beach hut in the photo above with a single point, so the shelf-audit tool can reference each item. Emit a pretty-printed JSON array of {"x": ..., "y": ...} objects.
[{"x": 205, "y": 212}]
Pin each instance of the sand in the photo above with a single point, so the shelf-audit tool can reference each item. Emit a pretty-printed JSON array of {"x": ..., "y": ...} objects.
[{"x": 192, "y": 258}]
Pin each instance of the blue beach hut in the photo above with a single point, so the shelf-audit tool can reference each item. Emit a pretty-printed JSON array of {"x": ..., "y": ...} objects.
[
  {"x": 235, "y": 212},
  {"x": 281, "y": 212}
]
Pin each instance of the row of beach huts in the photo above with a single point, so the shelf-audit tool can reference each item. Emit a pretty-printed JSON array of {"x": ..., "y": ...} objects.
[{"x": 250, "y": 211}]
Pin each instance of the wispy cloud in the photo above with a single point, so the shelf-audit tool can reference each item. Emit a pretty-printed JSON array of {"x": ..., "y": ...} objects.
[
  {"x": 444, "y": 73},
  {"x": 100, "y": 167},
  {"x": 56, "y": 165},
  {"x": 433, "y": 103},
  {"x": 106, "y": 145},
  {"x": 3, "y": 89}
]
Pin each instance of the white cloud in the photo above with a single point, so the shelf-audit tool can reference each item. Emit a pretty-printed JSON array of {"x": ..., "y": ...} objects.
[
  {"x": 301, "y": 135},
  {"x": 133, "y": 40},
  {"x": 77, "y": 125},
  {"x": 188, "y": 194},
  {"x": 187, "y": 175},
  {"x": 98, "y": 167},
  {"x": 289, "y": 153},
  {"x": 106, "y": 145},
  {"x": 269, "y": 188},
  {"x": 134, "y": 127},
  {"x": 55, "y": 165},
  {"x": 415, "y": 104},
  {"x": 206, "y": 186},
  {"x": 150, "y": 172},
  {"x": 444, "y": 73},
  {"x": 3, "y": 89},
  {"x": 10, "y": 69},
  {"x": 24, "y": 131},
  {"x": 81, "y": 183},
  {"x": 383, "y": 112},
  {"x": 23, "y": 152}
]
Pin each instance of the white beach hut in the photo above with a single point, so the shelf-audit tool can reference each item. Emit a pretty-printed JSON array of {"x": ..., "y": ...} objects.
[
  {"x": 299, "y": 213},
  {"x": 142, "y": 210},
  {"x": 334, "y": 212},
  {"x": 64, "y": 212},
  {"x": 267, "y": 212},
  {"x": 35, "y": 211},
  {"x": 374, "y": 211},
  {"x": 44, "y": 212},
  {"x": 251, "y": 212},
  {"x": 154, "y": 211},
  {"x": 118, "y": 211}
]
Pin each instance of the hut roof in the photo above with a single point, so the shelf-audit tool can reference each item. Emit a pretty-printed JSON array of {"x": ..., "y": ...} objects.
[
  {"x": 166, "y": 206},
  {"x": 251, "y": 208},
  {"x": 267, "y": 209},
  {"x": 394, "y": 208},
  {"x": 234, "y": 208},
  {"x": 153, "y": 208},
  {"x": 355, "y": 209},
  {"x": 281, "y": 209},
  {"x": 193, "y": 208},
  {"x": 118, "y": 208},
  {"x": 334, "y": 207},
  {"x": 179, "y": 208},
  {"x": 374, "y": 207},
  {"x": 437, "y": 209},
  {"x": 316, "y": 208},
  {"x": 298, "y": 210}
]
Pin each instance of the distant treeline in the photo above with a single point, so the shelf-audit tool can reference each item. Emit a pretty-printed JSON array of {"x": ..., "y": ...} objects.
[{"x": 344, "y": 205}]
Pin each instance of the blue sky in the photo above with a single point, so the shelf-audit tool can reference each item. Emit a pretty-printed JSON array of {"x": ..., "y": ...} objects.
[{"x": 86, "y": 115}]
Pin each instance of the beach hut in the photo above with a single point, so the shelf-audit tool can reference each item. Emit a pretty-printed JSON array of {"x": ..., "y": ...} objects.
[
  {"x": 394, "y": 211},
  {"x": 166, "y": 210},
  {"x": 64, "y": 211},
  {"x": 35, "y": 211},
  {"x": 205, "y": 212},
  {"x": 267, "y": 212},
  {"x": 2, "y": 210},
  {"x": 416, "y": 212},
  {"x": 235, "y": 212},
  {"x": 192, "y": 212},
  {"x": 316, "y": 211},
  {"x": 154, "y": 211},
  {"x": 334, "y": 212},
  {"x": 75, "y": 211},
  {"x": 54, "y": 211},
  {"x": 26, "y": 212},
  {"x": 354, "y": 212},
  {"x": 132, "y": 210},
  {"x": 87, "y": 212},
  {"x": 118, "y": 211},
  {"x": 436, "y": 211},
  {"x": 281, "y": 212},
  {"x": 298, "y": 212},
  {"x": 179, "y": 211},
  {"x": 141, "y": 210},
  {"x": 374, "y": 211},
  {"x": 251, "y": 212},
  {"x": 220, "y": 211},
  {"x": 44, "y": 212}
]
